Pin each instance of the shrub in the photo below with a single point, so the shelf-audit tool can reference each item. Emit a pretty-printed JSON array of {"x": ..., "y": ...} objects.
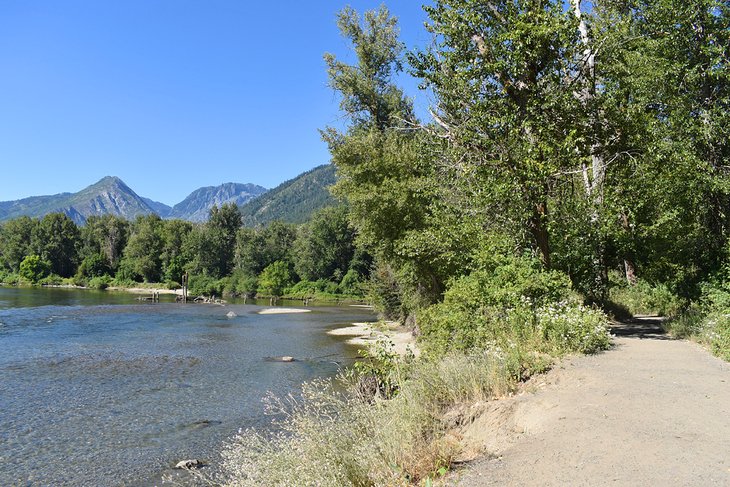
[
  {"x": 201, "y": 284},
  {"x": 242, "y": 284},
  {"x": 95, "y": 265},
  {"x": 52, "y": 280},
  {"x": 707, "y": 321},
  {"x": 100, "y": 282},
  {"x": 644, "y": 298},
  {"x": 573, "y": 328},
  {"x": 33, "y": 268},
  {"x": 351, "y": 283},
  {"x": 275, "y": 278},
  {"x": 511, "y": 305}
]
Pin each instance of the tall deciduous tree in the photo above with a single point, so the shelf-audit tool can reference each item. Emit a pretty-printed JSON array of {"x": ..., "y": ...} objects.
[
  {"x": 144, "y": 248},
  {"x": 15, "y": 242},
  {"x": 324, "y": 246},
  {"x": 56, "y": 239},
  {"x": 497, "y": 70}
]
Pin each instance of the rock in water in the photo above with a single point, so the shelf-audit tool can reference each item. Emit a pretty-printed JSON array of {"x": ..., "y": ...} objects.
[
  {"x": 188, "y": 464},
  {"x": 231, "y": 314}
]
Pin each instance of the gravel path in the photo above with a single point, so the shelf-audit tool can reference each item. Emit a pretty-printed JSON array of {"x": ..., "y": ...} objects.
[{"x": 651, "y": 411}]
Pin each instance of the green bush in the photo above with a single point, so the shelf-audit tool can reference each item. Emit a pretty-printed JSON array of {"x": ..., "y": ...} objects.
[
  {"x": 95, "y": 265},
  {"x": 644, "y": 298},
  {"x": 351, "y": 283},
  {"x": 515, "y": 304},
  {"x": 716, "y": 332},
  {"x": 275, "y": 279},
  {"x": 9, "y": 278},
  {"x": 172, "y": 285},
  {"x": 33, "y": 268},
  {"x": 52, "y": 280},
  {"x": 707, "y": 320},
  {"x": 242, "y": 284},
  {"x": 202, "y": 285},
  {"x": 573, "y": 328},
  {"x": 99, "y": 282}
]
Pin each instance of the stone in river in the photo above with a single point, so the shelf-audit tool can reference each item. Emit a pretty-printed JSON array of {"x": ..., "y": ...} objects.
[{"x": 188, "y": 464}]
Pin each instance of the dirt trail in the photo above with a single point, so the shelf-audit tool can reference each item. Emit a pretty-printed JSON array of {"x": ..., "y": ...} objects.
[{"x": 651, "y": 411}]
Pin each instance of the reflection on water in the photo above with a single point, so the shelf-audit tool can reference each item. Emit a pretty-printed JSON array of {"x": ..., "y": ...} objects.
[{"x": 98, "y": 389}]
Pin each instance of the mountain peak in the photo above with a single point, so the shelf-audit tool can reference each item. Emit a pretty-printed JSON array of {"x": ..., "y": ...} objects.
[{"x": 197, "y": 205}]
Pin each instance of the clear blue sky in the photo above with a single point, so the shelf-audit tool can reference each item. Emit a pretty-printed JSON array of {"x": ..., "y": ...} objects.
[{"x": 169, "y": 95}]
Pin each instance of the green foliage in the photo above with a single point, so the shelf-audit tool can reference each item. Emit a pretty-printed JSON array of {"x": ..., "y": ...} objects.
[
  {"x": 203, "y": 285},
  {"x": 708, "y": 320},
  {"x": 142, "y": 253},
  {"x": 351, "y": 283},
  {"x": 94, "y": 265},
  {"x": 15, "y": 240},
  {"x": 261, "y": 247},
  {"x": 33, "y": 268},
  {"x": 56, "y": 239},
  {"x": 242, "y": 284},
  {"x": 512, "y": 304},
  {"x": 642, "y": 298},
  {"x": 324, "y": 246},
  {"x": 99, "y": 282},
  {"x": 52, "y": 280},
  {"x": 384, "y": 292},
  {"x": 275, "y": 278},
  {"x": 378, "y": 372},
  {"x": 106, "y": 235}
]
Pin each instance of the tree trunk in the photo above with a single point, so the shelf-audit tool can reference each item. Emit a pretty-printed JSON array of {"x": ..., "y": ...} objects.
[
  {"x": 540, "y": 233},
  {"x": 629, "y": 265}
]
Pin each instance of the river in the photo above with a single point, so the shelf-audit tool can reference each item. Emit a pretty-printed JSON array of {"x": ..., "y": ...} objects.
[{"x": 97, "y": 388}]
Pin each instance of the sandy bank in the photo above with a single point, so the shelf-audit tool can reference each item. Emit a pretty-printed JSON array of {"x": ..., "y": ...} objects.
[
  {"x": 282, "y": 311},
  {"x": 143, "y": 290},
  {"x": 368, "y": 334}
]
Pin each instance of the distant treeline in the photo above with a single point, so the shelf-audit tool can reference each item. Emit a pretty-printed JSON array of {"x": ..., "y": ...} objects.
[{"x": 220, "y": 255}]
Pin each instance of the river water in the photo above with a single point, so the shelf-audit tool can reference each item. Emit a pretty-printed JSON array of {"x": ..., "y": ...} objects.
[{"x": 97, "y": 388}]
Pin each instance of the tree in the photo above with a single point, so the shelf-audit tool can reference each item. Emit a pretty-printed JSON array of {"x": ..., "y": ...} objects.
[
  {"x": 384, "y": 164},
  {"x": 15, "y": 242},
  {"x": 33, "y": 268},
  {"x": 106, "y": 235},
  {"x": 57, "y": 239},
  {"x": 221, "y": 227},
  {"x": 275, "y": 278},
  {"x": 144, "y": 248},
  {"x": 174, "y": 233},
  {"x": 324, "y": 246},
  {"x": 497, "y": 72}
]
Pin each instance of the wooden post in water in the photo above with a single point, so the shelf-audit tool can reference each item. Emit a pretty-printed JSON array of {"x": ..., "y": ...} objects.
[{"x": 185, "y": 287}]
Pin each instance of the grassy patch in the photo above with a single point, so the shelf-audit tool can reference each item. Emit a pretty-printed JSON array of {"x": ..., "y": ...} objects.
[{"x": 332, "y": 436}]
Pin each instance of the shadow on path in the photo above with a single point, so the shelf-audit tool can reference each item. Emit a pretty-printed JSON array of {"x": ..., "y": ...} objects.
[{"x": 641, "y": 327}]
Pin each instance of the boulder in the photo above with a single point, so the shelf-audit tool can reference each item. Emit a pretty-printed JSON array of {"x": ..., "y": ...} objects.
[{"x": 189, "y": 464}]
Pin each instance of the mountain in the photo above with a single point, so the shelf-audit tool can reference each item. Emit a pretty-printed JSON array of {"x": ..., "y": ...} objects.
[
  {"x": 110, "y": 195},
  {"x": 293, "y": 201},
  {"x": 160, "y": 208},
  {"x": 197, "y": 205}
]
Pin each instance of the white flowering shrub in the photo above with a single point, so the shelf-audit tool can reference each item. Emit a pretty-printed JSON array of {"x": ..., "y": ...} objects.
[{"x": 573, "y": 328}]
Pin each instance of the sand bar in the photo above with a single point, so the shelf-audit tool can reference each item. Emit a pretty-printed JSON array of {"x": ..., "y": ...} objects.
[{"x": 282, "y": 311}]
